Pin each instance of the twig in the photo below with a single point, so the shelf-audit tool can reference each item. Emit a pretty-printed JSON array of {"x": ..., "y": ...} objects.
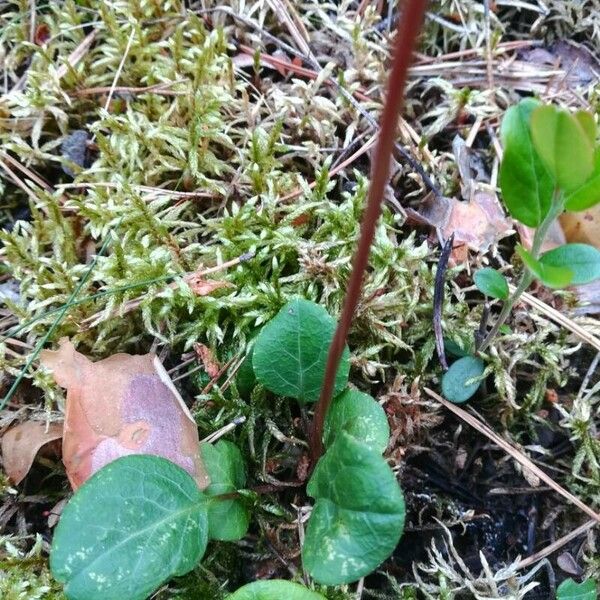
[
  {"x": 438, "y": 300},
  {"x": 119, "y": 69},
  {"x": 408, "y": 30},
  {"x": 515, "y": 453}
]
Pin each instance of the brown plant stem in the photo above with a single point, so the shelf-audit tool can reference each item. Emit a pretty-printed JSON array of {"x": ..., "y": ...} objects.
[{"x": 409, "y": 26}]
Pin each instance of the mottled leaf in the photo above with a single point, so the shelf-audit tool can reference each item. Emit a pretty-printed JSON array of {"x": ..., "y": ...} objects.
[
  {"x": 291, "y": 350},
  {"x": 361, "y": 416},
  {"x": 132, "y": 526},
  {"x": 227, "y": 519},
  {"x": 358, "y": 515},
  {"x": 275, "y": 589}
]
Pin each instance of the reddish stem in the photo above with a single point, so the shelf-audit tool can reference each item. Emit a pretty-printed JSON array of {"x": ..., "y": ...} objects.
[{"x": 409, "y": 26}]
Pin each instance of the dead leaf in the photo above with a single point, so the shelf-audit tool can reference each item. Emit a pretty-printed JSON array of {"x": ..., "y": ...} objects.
[
  {"x": 568, "y": 564},
  {"x": 21, "y": 443},
  {"x": 207, "y": 358},
  {"x": 477, "y": 223},
  {"x": 203, "y": 287},
  {"x": 121, "y": 405},
  {"x": 582, "y": 227}
]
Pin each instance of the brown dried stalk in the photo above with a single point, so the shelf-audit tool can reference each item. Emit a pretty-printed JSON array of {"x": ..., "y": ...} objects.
[{"x": 409, "y": 26}]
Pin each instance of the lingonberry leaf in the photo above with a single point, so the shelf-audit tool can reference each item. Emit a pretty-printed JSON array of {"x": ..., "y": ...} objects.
[
  {"x": 563, "y": 142},
  {"x": 291, "y": 350},
  {"x": 361, "y": 416},
  {"x": 491, "y": 283},
  {"x": 358, "y": 515},
  {"x": 527, "y": 185},
  {"x": 462, "y": 379},
  {"x": 133, "y": 525},
  {"x": 582, "y": 260},
  {"x": 274, "y": 589},
  {"x": 228, "y": 519},
  {"x": 550, "y": 275},
  {"x": 587, "y": 194}
]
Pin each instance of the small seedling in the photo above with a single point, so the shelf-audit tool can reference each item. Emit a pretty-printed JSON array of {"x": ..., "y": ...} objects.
[
  {"x": 551, "y": 164},
  {"x": 275, "y": 589},
  {"x": 141, "y": 519}
]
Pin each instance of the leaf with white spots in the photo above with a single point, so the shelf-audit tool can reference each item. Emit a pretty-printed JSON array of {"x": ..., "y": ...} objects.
[
  {"x": 358, "y": 516},
  {"x": 228, "y": 519},
  {"x": 274, "y": 589},
  {"x": 291, "y": 351},
  {"x": 361, "y": 416},
  {"x": 129, "y": 528}
]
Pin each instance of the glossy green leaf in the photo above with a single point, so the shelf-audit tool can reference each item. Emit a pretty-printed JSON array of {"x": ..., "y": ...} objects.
[
  {"x": 274, "y": 589},
  {"x": 291, "y": 350},
  {"x": 456, "y": 349},
  {"x": 129, "y": 528},
  {"x": 571, "y": 590},
  {"x": 361, "y": 416},
  {"x": 581, "y": 259},
  {"x": 491, "y": 283},
  {"x": 228, "y": 520},
  {"x": 588, "y": 194},
  {"x": 358, "y": 515},
  {"x": 564, "y": 145},
  {"x": 550, "y": 275},
  {"x": 526, "y": 184},
  {"x": 587, "y": 123},
  {"x": 462, "y": 379}
]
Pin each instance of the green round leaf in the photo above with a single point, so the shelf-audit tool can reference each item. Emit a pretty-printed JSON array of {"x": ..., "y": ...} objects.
[
  {"x": 461, "y": 380},
  {"x": 291, "y": 350},
  {"x": 245, "y": 378},
  {"x": 274, "y": 589},
  {"x": 570, "y": 590},
  {"x": 132, "y": 526},
  {"x": 491, "y": 283},
  {"x": 550, "y": 275},
  {"x": 526, "y": 184},
  {"x": 581, "y": 259},
  {"x": 563, "y": 142},
  {"x": 361, "y": 416},
  {"x": 228, "y": 520},
  {"x": 358, "y": 515},
  {"x": 588, "y": 194}
]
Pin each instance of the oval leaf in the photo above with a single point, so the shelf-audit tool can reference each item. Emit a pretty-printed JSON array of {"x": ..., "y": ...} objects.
[
  {"x": 462, "y": 379},
  {"x": 588, "y": 194},
  {"x": 571, "y": 590},
  {"x": 361, "y": 416},
  {"x": 227, "y": 519},
  {"x": 132, "y": 526},
  {"x": 564, "y": 145},
  {"x": 291, "y": 350},
  {"x": 358, "y": 516},
  {"x": 526, "y": 184},
  {"x": 275, "y": 589},
  {"x": 550, "y": 275},
  {"x": 581, "y": 259},
  {"x": 491, "y": 283}
]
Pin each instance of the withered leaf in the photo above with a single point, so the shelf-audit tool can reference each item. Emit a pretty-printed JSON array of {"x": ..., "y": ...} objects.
[
  {"x": 124, "y": 404},
  {"x": 21, "y": 443}
]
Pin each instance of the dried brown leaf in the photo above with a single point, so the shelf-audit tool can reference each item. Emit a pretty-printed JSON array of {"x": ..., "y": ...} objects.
[
  {"x": 21, "y": 443},
  {"x": 121, "y": 405}
]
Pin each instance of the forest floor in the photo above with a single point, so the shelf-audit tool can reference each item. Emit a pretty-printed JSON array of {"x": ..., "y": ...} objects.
[{"x": 142, "y": 141}]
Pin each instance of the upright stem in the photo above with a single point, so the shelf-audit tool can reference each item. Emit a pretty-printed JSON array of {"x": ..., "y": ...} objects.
[
  {"x": 526, "y": 277},
  {"x": 409, "y": 26}
]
